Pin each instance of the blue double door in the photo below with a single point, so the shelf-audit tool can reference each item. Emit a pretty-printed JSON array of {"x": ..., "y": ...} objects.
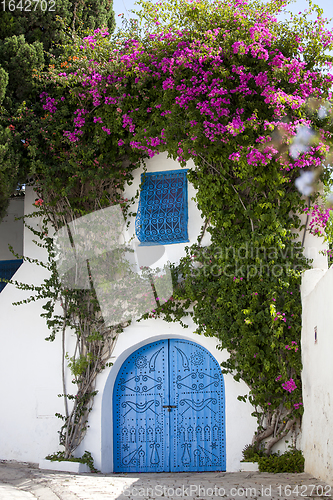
[{"x": 168, "y": 405}]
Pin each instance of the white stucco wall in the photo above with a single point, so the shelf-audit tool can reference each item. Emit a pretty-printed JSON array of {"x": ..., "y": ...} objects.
[
  {"x": 29, "y": 367},
  {"x": 317, "y": 374},
  {"x": 314, "y": 246},
  {"x": 317, "y": 377}
]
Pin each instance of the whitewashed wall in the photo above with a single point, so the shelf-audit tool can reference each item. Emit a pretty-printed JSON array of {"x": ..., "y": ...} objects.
[
  {"x": 317, "y": 356},
  {"x": 317, "y": 374},
  {"x": 314, "y": 246},
  {"x": 30, "y": 367}
]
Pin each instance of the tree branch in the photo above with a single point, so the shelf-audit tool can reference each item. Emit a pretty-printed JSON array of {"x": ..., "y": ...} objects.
[{"x": 280, "y": 435}]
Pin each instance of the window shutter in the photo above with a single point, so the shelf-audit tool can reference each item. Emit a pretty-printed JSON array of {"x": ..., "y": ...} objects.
[{"x": 162, "y": 216}]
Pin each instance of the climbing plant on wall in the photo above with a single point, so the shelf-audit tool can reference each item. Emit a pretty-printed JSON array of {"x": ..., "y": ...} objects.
[
  {"x": 29, "y": 40},
  {"x": 228, "y": 86}
]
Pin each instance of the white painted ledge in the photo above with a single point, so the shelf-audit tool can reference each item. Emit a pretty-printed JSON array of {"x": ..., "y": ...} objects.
[
  {"x": 249, "y": 467},
  {"x": 64, "y": 466}
]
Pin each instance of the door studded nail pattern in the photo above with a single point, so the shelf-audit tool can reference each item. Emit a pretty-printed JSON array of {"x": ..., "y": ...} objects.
[{"x": 168, "y": 405}]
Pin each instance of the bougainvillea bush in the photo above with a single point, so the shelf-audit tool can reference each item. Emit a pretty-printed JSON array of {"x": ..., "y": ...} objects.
[{"x": 228, "y": 86}]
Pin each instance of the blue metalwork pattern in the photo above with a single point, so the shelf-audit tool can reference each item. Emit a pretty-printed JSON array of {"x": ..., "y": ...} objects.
[
  {"x": 7, "y": 270},
  {"x": 162, "y": 213},
  {"x": 140, "y": 422},
  {"x": 169, "y": 410},
  {"x": 197, "y": 424}
]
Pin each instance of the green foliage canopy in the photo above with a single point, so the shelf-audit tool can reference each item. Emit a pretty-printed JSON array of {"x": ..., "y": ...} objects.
[
  {"x": 45, "y": 25},
  {"x": 28, "y": 40}
]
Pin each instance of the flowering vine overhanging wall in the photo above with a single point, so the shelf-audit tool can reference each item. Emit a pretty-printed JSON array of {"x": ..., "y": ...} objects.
[{"x": 226, "y": 85}]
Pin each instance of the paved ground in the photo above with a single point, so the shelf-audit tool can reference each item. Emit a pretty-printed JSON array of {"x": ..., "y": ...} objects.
[{"x": 22, "y": 481}]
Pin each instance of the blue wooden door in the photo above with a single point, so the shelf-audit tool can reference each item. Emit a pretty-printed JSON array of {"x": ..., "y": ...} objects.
[
  {"x": 169, "y": 410},
  {"x": 140, "y": 422},
  {"x": 197, "y": 426}
]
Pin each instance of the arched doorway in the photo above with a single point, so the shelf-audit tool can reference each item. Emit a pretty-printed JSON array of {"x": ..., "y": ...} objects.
[{"x": 168, "y": 405}]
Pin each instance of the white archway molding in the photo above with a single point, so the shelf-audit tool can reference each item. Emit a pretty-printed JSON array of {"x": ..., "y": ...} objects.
[{"x": 239, "y": 424}]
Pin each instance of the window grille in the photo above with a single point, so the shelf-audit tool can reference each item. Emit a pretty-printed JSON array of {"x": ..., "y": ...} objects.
[
  {"x": 7, "y": 270},
  {"x": 162, "y": 213}
]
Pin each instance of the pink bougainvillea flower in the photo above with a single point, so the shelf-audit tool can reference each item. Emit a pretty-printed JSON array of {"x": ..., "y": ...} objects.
[{"x": 289, "y": 385}]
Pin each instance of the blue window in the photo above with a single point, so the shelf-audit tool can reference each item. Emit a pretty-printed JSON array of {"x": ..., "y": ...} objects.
[
  {"x": 7, "y": 270},
  {"x": 162, "y": 214}
]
